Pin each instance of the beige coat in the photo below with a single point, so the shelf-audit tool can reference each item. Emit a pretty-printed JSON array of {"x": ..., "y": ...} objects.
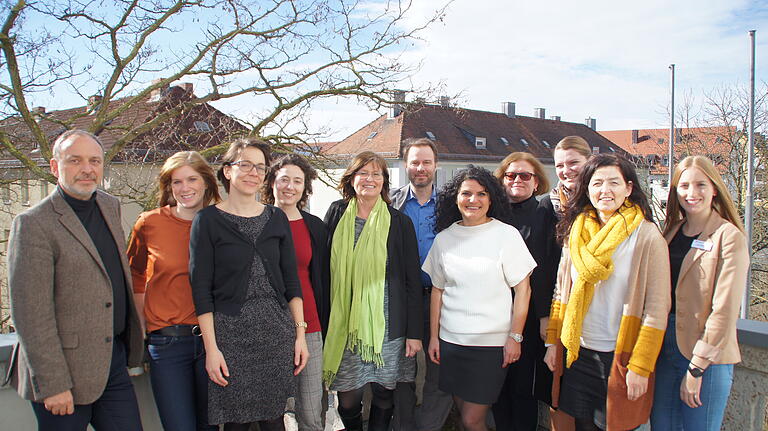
[
  {"x": 709, "y": 292},
  {"x": 61, "y": 302}
]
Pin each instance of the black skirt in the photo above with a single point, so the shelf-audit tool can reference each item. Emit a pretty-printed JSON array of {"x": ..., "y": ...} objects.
[
  {"x": 584, "y": 386},
  {"x": 472, "y": 373}
]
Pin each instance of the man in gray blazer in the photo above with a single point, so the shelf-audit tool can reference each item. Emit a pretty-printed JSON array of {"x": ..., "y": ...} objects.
[{"x": 71, "y": 299}]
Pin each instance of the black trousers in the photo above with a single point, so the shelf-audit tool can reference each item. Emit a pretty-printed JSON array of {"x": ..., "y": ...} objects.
[{"x": 116, "y": 409}]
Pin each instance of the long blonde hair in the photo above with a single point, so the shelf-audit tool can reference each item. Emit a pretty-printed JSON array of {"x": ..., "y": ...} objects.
[
  {"x": 194, "y": 160},
  {"x": 721, "y": 202}
]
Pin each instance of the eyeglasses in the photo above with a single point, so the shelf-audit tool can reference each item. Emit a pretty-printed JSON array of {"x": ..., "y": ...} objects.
[
  {"x": 365, "y": 175},
  {"x": 525, "y": 176},
  {"x": 247, "y": 166}
]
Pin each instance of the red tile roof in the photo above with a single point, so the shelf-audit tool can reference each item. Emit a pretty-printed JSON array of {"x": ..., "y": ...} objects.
[
  {"x": 176, "y": 134},
  {"x": 714, "y": 142},
  {"x": 454, "y": 129}
]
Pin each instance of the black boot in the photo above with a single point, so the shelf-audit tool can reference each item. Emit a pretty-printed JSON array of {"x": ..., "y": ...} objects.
[
  {"x": 352, "y": 418},
  {"x": 379, "y": 419}
]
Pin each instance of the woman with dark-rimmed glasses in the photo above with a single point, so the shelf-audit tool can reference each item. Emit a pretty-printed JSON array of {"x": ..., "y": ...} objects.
[{"x": 247, "y": 297}]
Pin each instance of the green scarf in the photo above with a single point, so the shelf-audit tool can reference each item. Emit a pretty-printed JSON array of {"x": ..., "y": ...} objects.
[{"x": 357, "y": 289}]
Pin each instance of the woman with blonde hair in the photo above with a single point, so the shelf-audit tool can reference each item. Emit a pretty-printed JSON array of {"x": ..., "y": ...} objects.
[
  {"x": 375, "y": 326},
  {"x": 709, "y": 261},
  {"x": 158, "y": 254},
  {"x": 611, "y": 302},
  {"x": 528, "y": 380}
]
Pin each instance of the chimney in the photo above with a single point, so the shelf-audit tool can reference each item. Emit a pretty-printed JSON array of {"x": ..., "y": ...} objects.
[
  {"x": 555, "y": 117},
  {"x": 445, "y": 101},
  {"x": 591, "y": 123},
  {"x": 539, "y": 113},
  {"x": 187, "y": 86},
  {"x": 634, "y": 137},
  {"x": 92, "y": 102},
  {"x": 398, "y": 99},
  {"x": 508, "y": 109},
  {"x": 156, "y": 94}
]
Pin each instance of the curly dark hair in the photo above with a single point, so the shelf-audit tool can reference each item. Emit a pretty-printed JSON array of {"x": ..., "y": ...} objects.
[
  {"x": 446, "y": 210},
  {"x": 300, "y": 162},
  {"x": 580, "y": 202}
]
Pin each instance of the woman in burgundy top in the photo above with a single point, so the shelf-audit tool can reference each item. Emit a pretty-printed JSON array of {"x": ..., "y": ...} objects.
[{"x": 288, "y": 185}]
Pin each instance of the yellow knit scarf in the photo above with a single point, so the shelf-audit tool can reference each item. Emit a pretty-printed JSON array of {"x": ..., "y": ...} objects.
[{"x": 591, "y": 247}]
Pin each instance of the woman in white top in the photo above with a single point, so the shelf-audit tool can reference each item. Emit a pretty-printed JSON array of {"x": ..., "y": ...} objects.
[{"x": 475, "y": 262}]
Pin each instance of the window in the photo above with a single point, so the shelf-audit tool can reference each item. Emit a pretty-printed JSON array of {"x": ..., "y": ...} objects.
[
  {"x": 504, "y": 141},
  {"x": 373, "y": 135},
  {"x": 25, "y": 192},
  {"x": 43, "y": 189},
  {"x": 6, "y": 193},
  {"x": 595, "y": 150},
  {"x": 546, "y": 144},
  {"x": 524, "y": 142},
  {"x": 6, "y": 237},
  {"x": 430, "y": 135},
  {"x": 480, "y": 143},
  {"x": 202, "y": 126}
]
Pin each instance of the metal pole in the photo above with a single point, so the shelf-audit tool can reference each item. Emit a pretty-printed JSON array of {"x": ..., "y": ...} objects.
[
  {"x": 749, "y": 210},
  {"x": 671, "y": 160}
]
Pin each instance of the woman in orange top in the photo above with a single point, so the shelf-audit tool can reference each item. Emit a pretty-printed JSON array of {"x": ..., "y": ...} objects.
[{"x": 158, "y": 254}]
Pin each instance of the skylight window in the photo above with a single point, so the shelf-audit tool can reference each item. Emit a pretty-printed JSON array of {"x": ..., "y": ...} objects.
[
  {"x": 546, "y": 144},
  {"x": 430, "y": 135},
  {"x": 504, "y": 141},
  {"x": 524, "y": 142},
  {"x": 202, "y": 126},
  {"x": 480, "y": 143},
  {"x": 373, "y": 135}
]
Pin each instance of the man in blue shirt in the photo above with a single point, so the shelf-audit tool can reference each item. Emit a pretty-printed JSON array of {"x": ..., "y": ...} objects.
[{"x": 417, "y": 200}]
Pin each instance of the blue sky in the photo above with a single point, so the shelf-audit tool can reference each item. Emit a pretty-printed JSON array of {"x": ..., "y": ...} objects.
[{"x": 603, "y": 59}]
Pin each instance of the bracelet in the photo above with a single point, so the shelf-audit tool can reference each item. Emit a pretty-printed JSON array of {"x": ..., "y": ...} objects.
[{"x": 301, "y": 324}]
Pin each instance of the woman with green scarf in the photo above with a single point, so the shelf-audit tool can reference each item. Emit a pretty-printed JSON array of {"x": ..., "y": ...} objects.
[
  {"x": 611, "y": 301},
  {"x": 375, "y": 326}
]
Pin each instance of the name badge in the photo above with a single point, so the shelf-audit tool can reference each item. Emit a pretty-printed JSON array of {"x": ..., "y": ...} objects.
[{"x": 702, "y": 245}]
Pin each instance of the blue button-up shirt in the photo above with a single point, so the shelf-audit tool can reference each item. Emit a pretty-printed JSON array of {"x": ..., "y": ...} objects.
[{"x": 423, "y": 218}]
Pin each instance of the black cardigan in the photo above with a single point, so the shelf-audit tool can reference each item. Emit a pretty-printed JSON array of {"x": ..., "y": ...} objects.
[
  {"x": 220, "y": 259},
  {"x": 319, "y": 267},
  {"x": 403, "y": 276}
]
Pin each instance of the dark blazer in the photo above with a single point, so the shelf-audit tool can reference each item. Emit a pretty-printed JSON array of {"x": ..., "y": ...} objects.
[
  {"x": 61, "y": 299},
  {"x": 403, "y": 277},
  {"x": 319, "y": 267},
  {"x": 220, "y": 258}
]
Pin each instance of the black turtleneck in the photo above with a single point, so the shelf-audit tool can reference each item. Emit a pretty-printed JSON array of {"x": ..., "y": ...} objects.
[{"x": 93, "y": 220}]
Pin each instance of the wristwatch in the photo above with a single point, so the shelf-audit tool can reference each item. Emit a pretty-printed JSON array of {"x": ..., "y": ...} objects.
[
  {"x": 517, "y": 337},
  {"x": 301, "y": 324},
  {"x": 695, "y": 371}
]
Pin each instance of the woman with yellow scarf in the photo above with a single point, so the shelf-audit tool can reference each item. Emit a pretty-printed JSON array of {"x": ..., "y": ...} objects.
[
  {"x": 611, "y": 302},
  {"x": 375, "y": 326}
]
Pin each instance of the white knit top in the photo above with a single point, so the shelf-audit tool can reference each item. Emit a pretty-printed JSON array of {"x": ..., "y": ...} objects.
[{"x": 476, "y": 266}]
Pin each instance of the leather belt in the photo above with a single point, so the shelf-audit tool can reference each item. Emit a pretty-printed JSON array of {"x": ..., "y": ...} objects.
[{"x": 178, "y": 331}]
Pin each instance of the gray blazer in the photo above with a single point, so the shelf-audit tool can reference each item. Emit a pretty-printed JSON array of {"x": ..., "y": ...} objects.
[{"x": 60, "y": 302}]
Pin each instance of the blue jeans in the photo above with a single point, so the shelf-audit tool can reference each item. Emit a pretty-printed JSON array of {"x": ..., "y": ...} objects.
[
  {"x": 179, "y": 381},
  {"x": 115, "y": 410},
  {"x": 669, "y": 412}
]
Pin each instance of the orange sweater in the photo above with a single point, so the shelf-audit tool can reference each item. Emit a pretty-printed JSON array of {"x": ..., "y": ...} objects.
[{"x": 158, "y": 254}]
